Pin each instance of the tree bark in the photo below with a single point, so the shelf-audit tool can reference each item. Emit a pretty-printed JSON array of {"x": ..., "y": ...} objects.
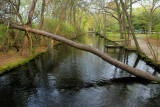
[
  {"x": 59, "y": 23},
  {"x": 61, "y": 17},
  {"x": 121, "y": 29},
  {"x": 29, "y": 23},
  {"x": 95, "y": 51},
  {"x": 150, "y": 26},
  {"x": 119, "y": 19},
  {"x": 130, "y": 26},
  {"x": 31, "y": 12},
  {"x": 105, "y": 25},
  {"x": 42, "y": 14},
  {"x": 124, "y": 25}
]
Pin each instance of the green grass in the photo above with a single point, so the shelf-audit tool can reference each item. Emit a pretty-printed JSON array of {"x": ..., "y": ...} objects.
[
  {"x": 116, "y": 36},
  {"x": 12, "y": 65},
  {"x": 153, "y": 36}
]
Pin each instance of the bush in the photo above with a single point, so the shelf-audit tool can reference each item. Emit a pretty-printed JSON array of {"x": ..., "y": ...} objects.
[
  {"x": 65, "y": 30},
  {"x": 7, "y": 39}
]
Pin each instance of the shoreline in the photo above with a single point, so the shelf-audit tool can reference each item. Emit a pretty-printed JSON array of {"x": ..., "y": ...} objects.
[
  {"x": 143, "y": 56},
  {"x": 14, "y": 63},
  {"x": 20, "y": 60}
]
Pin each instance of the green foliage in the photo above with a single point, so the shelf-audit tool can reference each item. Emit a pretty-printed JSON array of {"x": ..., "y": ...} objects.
[
  {"x": 7, "y": 38},
  {"x": 141, "y": 19},
  {"x": 157, "y": 28},
  {"x": 4, "y": 38},
  {"x": 50, "y": 25},
  {"x": 154, "y": 36}
]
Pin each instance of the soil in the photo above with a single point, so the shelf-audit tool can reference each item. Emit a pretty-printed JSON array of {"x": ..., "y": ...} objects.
[
  {"x": 15, "y": 57},
  {"x": 145, "y": 48},
  {"x": 12, "y": 56}
]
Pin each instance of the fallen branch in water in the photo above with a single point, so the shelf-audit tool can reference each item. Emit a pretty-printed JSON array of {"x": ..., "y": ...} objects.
[{"x": 95, "y": 51}]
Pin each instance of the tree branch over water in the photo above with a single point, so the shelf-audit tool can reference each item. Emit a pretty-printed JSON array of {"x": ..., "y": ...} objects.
[{"x": 93, "y": 50}]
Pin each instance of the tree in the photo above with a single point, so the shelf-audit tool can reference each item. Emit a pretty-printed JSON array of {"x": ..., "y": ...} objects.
[
  {"x": 42, "y": 14},
  {"x": 150, "y": 9},
  {"x": 130, "y": 25},
  {"x": 95, "y": 51},
  {"x": 29, "y": 23}
]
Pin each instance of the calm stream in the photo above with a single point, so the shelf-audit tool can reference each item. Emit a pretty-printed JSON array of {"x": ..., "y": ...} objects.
[{"x": 74, "y": 78}]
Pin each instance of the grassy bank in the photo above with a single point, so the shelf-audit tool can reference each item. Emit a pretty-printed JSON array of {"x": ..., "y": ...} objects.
[
  {"x": 11, "y": 41},
  {"x": 16, "y": 60},
  {"x": 23, "y": 60}
]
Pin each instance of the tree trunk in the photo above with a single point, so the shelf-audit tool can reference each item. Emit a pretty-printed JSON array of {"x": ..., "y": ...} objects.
[
  {"x": 29, "y": 23},
  {"x": 124, "y": 26},
  {"x": 119, "y": 18},
  {"x": 61, "y": 17},
  {"x": 105, "y": 25},
  {"x": 130, "y": 26},
  {"x": 42, "y": 14},
  {"x": 150, "y": 26},
  {"x": 59, "y": 23},
  {"x": 121, "y": 29},
  {"x": 95, "y": 51}
]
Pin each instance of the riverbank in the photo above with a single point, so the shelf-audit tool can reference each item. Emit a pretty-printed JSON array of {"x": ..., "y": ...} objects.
[
  {"x": 147, "y": 55},
  {"x": 12, "y": 59}
]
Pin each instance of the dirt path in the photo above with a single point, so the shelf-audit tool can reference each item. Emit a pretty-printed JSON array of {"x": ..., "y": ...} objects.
[{"x": 144, "y": 47}]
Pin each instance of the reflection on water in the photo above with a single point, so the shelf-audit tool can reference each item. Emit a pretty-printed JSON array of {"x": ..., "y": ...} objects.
[{"x": 76, "y": 78}]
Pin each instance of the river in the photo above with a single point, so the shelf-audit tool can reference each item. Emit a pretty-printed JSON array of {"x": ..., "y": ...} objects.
[{"x": 74, "y": 78}]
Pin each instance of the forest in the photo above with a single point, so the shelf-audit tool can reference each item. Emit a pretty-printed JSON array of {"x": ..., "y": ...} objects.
[{"x": 52, "y": 37}]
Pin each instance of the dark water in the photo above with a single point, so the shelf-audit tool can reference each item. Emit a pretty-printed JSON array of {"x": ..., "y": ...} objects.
[{"x": 74, "y": 78}]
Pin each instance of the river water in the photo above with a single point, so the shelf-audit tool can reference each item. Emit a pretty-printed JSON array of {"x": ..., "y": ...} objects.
[{"x": 74, "y": 78}]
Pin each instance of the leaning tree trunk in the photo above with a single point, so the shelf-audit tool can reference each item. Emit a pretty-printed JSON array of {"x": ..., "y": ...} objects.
[
  {"x": 130, "y": 26},
  {"x": 95, "y": 51},
  {"x": 61, "y": 16}
]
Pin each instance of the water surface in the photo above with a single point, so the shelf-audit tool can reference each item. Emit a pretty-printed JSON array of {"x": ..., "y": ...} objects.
[{"x": 74, "y": 78}]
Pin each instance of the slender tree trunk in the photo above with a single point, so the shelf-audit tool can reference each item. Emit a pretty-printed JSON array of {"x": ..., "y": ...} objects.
[
  {"x": 59, "y": 23},
  {"x": 71, "y": 13},
  {"x": 124, "y": 25},
  {"x": 121, "y": 29},
  {"x": 105, "y": 24},
  {"x": 61, "y": 17},
  {"x": 42, "y": 14},
  {"x": 130, "y": 26},
  {"x": 150, "y": 26},
  {"x": 42, "y": 20},
  {"x": 131, "y": 21},
  {"x": 95, "y": 51},
  {"x": 119, "y": 19}
]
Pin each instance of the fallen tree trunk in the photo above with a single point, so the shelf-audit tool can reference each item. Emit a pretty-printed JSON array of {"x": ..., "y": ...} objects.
[{"x": 95, "y": 51}]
